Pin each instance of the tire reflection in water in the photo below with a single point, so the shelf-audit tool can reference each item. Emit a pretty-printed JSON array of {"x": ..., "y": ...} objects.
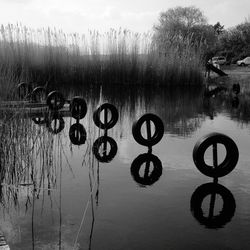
[
  {"x": 55, "y": 123},
  {"x": 146, "y": 169},
  {"x": 105, "y": 149},
  {"x": 212, "y": 191},
  {"x": 53, "y": 120},
  {"x": 77, "y": 134}
]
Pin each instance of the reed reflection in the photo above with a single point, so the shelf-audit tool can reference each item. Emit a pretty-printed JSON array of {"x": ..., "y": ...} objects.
[
  {"x": 235, "y": 102},
  {"x": 32, "y": 164},
  {"x": 40, "y": 120},
  {"x": 179, "y": 108},
  {"x": 55, "y": 123},
  {"x": 183, "y": 109}
]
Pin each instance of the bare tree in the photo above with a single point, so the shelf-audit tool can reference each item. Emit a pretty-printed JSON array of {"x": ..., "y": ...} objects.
[{"x": 179, "y": 20}]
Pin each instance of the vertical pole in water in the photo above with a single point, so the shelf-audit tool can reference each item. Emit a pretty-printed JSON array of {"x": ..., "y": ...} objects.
[
  {"x": 77, "y": 132},
  {"x": 105, "y": 117},
  {"x": 55, "y": 125},
  {"x": 148, "y": 129},
  {"x": 148, "y": 125},
  {"x": 215, "y": 156},
  {"x": 213, "y": 196},
  {"x": 105, "y": 130}
]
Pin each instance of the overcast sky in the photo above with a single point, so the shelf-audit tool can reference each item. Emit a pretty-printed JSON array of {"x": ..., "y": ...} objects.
[{"x": 136, "y": 15}]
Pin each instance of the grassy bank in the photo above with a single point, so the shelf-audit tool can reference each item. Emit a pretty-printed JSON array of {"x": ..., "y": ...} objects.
[{"x": 49, "y": 55}]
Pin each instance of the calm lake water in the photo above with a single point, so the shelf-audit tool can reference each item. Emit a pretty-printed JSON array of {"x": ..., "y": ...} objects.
[{"x": 82, "y": 203}]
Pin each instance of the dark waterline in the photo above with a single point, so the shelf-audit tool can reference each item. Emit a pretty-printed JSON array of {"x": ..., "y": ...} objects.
[{"x": 80, "y": 202}]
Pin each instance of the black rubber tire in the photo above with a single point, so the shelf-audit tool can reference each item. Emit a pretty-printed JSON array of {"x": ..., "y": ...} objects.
[
  {"x": 114, "y": 116},
  {"x": 57, "y": 118},
  {"x": 55, "y": 100},
  {"x": 225, "y": 214},
  {"x": 24, "y": 90},
  {"x": 78, "y": 107},
  {"x": 230, "y": 161},
  {"x": 77, "y": 134},
  {"x": 111, "y": 154},
  {"x": 38, "y": 92},
  {"x": 143, "y": 159},
  {"x": 159, "y": 130}
]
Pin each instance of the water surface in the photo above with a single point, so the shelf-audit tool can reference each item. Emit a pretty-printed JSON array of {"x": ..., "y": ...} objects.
[{"x": 76, "y": 201}]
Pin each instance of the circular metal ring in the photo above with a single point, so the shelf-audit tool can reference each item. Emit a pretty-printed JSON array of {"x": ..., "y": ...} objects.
[
  {"x": 228, "y": 164},
  {"x": 106, "y": 124},
  {"x": 152, "y": 139}
]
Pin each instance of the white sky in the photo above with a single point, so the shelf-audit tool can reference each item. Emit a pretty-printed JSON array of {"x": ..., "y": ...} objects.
[{"x": 136, "y": 15}]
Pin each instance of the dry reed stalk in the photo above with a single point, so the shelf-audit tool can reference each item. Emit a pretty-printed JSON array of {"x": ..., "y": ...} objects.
[{"x": 113, "y": 57}]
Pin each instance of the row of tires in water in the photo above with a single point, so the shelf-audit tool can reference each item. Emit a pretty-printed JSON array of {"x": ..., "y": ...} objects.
[
  {"x": 146, "y": 168},
  {"x": 213, "y": 219},
  {"x": 78, "y": 109},
  {"x": 151, "y": 163}
]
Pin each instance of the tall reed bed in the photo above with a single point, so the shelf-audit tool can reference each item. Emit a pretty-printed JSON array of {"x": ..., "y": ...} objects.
[{"x": 117, "y": 56}]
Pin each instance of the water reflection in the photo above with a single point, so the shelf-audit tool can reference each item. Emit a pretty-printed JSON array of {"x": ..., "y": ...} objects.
[
  {"x": 40, "y": 120},
  {"x": 54, "y": 175},
  {"x": 235, "y": 102},
  {"x": 146, "y": 169},
  {"x": 234, "y": 105},
  {"x": 179, "y": 108},
  {"x": 105, "y": 149},
  {"x": 213, "y": 216},
  {"x": 77, "y": 134},
  {"x": 53, "y": 120},
  {"x": 150, "y": 173},
  {"x": 31, "y": 185},
  {"x": 55, "y": 123},
  {"x": 183, "y": 110}
]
